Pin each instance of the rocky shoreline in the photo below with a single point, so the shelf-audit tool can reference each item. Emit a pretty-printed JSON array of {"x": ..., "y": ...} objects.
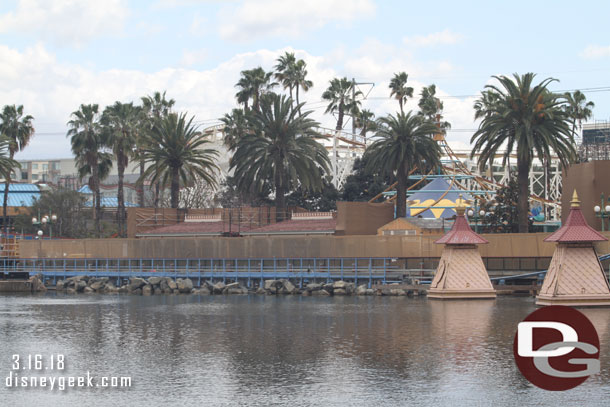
[{"x": 166, "y": 285}]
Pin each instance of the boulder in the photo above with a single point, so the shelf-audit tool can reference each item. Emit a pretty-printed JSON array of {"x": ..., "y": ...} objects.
[
  {"x": 370, "y": 291},
  {"x": 361, "y": 290},
  {"x": 350, "y": 288},
  {"x": 37, "y": 284},
  {"x": 239, "y": 290},
  {"x": 123, "y": 289},
  {"x": 339, "y": 285},
  {"x": 339, "y": 291},
  {"x": 306, "y": 293},
  {"x": 88, "y": 290},
  {"x": 59, "y": 285},
  {"x": 261, "y": 291},
  {"x": 271, "y": 285},
  {"x": 218, "y": 287},
  {"x": 328, "y": 287},
  {"x": 147, "y": 289},
  {"x": 287, "y": 287},
  {"x": 175, "y": 291},
  {"x": 136, "y": 282},
  {"x": 157, "y": 290},
  {"x": 203, "y": 290},
  {"x": 172, "y": 284},
  {"x": 154, "y": 280},
  {"x": 110, "y": 288},
  {"x": 137, "y": 291},
  {"x": 185, "y": 285},
  {"x": 80, "y": 286},
  {"x": 71, "y": 291},
  {"x": 98, "y": 285},
  {"x": 313, "y": 287},
  {"x": 320, "y": 293}
]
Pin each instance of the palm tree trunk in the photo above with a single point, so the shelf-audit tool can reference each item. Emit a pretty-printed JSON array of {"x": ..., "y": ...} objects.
[
  {"x": 523, "y": 202},
  {"x": 400, "y": 103},
  {"x": 120, "y": 194},
  {"x": 5, "y": 200},
  {"x": 401, "y": 192},
  {"x": 175, "y": 189},
  {"x": 141, "y": 186},
  {"x": 340, "y": 119},
  {"x": 280, "y": 192},
  {"x": 96, "y": 190}
]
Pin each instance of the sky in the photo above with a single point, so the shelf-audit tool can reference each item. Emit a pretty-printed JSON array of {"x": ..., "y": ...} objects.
[{"x": 57, "y": 54}]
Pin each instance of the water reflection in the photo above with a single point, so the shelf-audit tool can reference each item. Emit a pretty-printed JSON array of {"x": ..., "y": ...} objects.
[{"x": 257, "y": 350}]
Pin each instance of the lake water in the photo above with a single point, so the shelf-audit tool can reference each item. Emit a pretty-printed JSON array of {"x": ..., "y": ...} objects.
[{"x": 296, "y": 351}]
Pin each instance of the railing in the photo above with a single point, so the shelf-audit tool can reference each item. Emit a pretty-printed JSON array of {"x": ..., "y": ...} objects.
[{"x": 357, "y": 269}]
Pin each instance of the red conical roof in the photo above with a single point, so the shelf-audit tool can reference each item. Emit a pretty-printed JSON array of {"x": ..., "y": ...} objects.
[
  {"x": 461, "y": 233},
  {"x": 575, "y": 229}
]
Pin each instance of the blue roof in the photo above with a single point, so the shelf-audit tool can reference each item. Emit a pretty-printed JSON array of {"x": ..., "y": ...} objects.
[
  {"x": 430, "y": 194},
  {"x": 85, "y": 189},
  {"x": 111, "y": 202},
  {"x": 20, "y": 188},
  {"x": 22, "y": 198}
]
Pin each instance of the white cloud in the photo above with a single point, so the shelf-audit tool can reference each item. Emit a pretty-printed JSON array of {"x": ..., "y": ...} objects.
[
  {"x": 190, "y": 58},
  {"x": 255, "y": 19},
  {"x": 72, "y": 22},
  {"x": 50, "y": 90},
  {"x": 595, "y": 52},
  {"x": 445, "y": 37}
]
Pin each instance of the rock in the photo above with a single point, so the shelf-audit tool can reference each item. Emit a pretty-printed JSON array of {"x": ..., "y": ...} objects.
[
  {"x": 288, "y": 287},
  {"x": 71, "y": 291},
  {"x": 185, "y": 286},
  {"x": 236, "y": 290},
  {"x": 59, "y": 285},
  {"x": 370, "y": 291},
  {"x": 361, "y": 290},
  {"x": 320, "y": 293},
  {"x": 313, "y": 287},
  {"x": 175, "y": 291},
  {"x": 260, "y": 291},
  {"x": 397, "y": 291},
  {"x": 339, "y": 285},
  {"x": 137, "y": 291},
  {"x": 218, "y": 287},
  {"x": 350, "y": 288},
  {"x": 110, "y": 288},
  {"x": 339, "y": 291},
  {"x": 157, "y": 290},
  {"x": 270, "y": 284},
  {"x": 37, "y": 284},
  {"x": 98, "y": 285},
  {"x": 154, "y": 280},
  {"x": 123, "y": 289},
  {"x": 80, "y": 286},
  {"x": 172, "y": 284},
  {"x": 88, "y": 290},
  {"x": 306, "y": 293},
  {"x": 147, "y": 289},
  {"x": 203, "y": 290},
  {"x": 328, "y": 287},
  {"x": 136, "y": 283}
]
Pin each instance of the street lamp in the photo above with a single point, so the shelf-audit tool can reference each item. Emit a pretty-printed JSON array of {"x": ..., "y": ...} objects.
[
  {"x": 602, "y": 212},
  {"x": 45, "y": 220},
  {"x": 476, "y": 216}
]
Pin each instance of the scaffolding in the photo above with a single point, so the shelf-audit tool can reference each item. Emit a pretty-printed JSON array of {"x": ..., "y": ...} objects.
[{"x": 595, "y": 143}]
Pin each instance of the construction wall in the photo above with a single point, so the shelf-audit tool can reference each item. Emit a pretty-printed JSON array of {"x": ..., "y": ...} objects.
[
  {"x": 501, "y": 245},
  {"x": 590, "y": 179},
  {"x": 362, "y": 218}
]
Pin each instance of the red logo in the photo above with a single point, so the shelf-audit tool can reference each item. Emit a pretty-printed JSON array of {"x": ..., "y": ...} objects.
[{"x": 556, "y": 348}]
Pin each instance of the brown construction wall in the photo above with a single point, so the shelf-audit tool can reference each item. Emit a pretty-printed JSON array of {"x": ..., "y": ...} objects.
[
  {"x": 501, "y": 245},
  {"x": 590, "y": 179},
  {"x": 362, "y": 218}
]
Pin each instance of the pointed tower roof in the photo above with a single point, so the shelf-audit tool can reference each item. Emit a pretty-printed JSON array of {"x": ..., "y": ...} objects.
[
  {"x": 575, "y": 228},
  {"x": 461, "y": 233}
]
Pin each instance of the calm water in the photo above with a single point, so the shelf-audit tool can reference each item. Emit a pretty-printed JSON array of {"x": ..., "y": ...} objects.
[{"x": 254, "y": 350}]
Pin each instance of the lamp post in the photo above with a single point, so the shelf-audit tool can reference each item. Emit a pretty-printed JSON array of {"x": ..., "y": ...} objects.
[
  {"x": 39, "y": 237},
  {"x": 476, "y": 215},
  {"x": 602, "y": 212},
  {"x": 45, "y": 220}
]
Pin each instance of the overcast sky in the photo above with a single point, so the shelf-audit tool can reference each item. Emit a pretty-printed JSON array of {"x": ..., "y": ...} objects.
[{"x": 57, "y": 54}]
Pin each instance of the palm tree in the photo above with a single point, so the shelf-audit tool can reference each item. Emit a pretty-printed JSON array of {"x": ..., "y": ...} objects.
[
  {"x": 285, "y": 71},
  {"x": 87, "y": 140},
  {"x": 121, "y": 121},
  {"x": 402, "y": 144},
  {"x": 283, "y": 150},
  {"x": 529, "y": 118},
  {"x": 365, "y": 120},
  {"x": 578, "y": 109},
  {"x": 176, "y": 152},
  {"x": 18, "y": 129},
  {"x": 253, "y": 84},
  {"x": 342, "y": 98},
  {"x": 154, "y": 107},
  {"x": 236, "y": 127},
  {"x": 399, "y": 88},
  {"x": 431, "y": 108},
  {"x": 301, "y": 81}
]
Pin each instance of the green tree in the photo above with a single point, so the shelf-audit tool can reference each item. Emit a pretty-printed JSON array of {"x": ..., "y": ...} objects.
[
  {"x": 323, "y": 200},
  {"x": 365, "y": 182},
  {"x": 18, "y": 129},
  {"x": 578, "y": 109},
  {"x": 402, "y": 144},
  {"x": 365, "y": 121},
  {"x": 252, "y": 85},
  {"x": 502, "y": 212},
  {"x": 399, "y": 89},
  {"x": 236, "y": 127},
  {"x": 154, "y": 108},
  {"x": 285, "y": 71},
  {"x": 283, "y": 150},
  {"x": 87, "y": 141},
  {"x": 177, "y": 152},
  {"x": 301, "y": 81},
  {"x": 525, "y": 117},
  {"x": 342, "y": 99},
  {"x": 121, "y": 122},
  {"x": 431, "y": 107}
]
